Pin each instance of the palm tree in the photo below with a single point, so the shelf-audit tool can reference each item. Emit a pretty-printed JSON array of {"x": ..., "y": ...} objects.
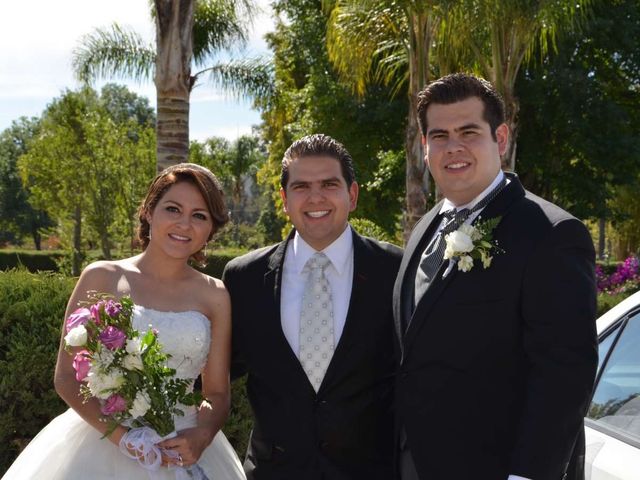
[
  {"x": 188, "y": 33},
  {"x": 389, "y": 41},
  {"x": 494, "y": 37}
]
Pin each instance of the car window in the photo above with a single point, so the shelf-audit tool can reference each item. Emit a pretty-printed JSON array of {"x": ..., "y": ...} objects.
[
  {"x": 616, "y": 400},
  {"x": 605, "y": 345}
]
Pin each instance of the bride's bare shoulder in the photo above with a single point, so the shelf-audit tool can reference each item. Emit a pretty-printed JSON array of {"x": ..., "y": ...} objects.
[
  {"x": 103, "y": 275},
  {"x": 213, "y": 293}
]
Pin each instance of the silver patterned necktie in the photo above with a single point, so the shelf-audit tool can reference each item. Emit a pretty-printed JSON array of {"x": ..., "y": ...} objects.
[{"x": 316, "y": 321}]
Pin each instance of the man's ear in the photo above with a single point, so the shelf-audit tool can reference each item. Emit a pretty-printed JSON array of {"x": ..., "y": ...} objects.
[
  {"x": 353, "y": 196},
  {"x": 283, "y": 196},
  {"x": 423, "y": 139},
  {"x": 502, "y": 137}
]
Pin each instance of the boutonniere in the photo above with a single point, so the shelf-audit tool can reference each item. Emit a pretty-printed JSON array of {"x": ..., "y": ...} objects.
[{"x": 472, "y": 242}]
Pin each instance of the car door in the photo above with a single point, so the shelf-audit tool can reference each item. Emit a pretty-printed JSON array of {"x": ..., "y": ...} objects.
[{"x": 612, "y": 426}]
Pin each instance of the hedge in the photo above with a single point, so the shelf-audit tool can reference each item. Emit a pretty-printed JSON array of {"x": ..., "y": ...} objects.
[
  {"x": 32, "y": 307},
  {"x": 47, "y": 260},
  {"x": 32, "y": 260}
]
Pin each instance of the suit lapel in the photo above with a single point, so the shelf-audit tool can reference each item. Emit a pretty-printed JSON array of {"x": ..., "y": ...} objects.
[
  {"x": 406, "y": 274},
  {"x": 363, "y": 267},
  {"x": 273, "y": 283},
  {"x": 498, "y": 207}
]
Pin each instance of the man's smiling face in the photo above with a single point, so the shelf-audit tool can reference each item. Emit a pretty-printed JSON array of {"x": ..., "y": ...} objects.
[
  {"x": 318, "y": 200},
  {"x": 461, "y": 153}
]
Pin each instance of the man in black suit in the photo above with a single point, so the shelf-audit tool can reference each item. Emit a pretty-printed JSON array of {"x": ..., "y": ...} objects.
[
  {"x": 320, "y": 392},
  {"x": 497, "y": 341}
]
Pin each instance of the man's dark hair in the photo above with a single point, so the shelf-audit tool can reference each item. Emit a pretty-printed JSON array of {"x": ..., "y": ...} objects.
[
  {"x": 457, "y": 87},
  {"x": 318, "y": 144}
]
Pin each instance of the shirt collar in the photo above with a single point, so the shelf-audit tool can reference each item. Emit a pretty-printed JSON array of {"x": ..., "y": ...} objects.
[
  {"x": 338, "y": 252},
  {"x": 448, "y": 205}
]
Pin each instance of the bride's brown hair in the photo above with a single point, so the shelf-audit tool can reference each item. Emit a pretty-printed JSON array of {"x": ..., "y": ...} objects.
[{"x": 209, "y": 187}]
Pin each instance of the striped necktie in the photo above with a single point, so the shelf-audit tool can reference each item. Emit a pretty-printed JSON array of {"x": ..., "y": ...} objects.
[{"x": 431, "y": 259}]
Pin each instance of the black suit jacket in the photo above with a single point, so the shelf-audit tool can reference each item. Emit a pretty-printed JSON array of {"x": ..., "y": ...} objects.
[
  {"x": 497, "y": 364},
  {"x": 345, "y": 431}
]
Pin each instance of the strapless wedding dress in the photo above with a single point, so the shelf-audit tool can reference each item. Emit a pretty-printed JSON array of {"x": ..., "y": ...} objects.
[{"x": 68, "y": 448}]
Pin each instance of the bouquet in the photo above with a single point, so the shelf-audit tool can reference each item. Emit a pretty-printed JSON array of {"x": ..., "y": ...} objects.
[{"x": 126, "y": 370}]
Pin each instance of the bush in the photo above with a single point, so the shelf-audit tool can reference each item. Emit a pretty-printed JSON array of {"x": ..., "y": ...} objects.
[
  {"x": 217, "y": 260},
  {"x": 32, "y": 260},
  {"x": 31, "y": 312},
  {"x": 606, "y": 301},
  {"x": 369, "y": 229}
]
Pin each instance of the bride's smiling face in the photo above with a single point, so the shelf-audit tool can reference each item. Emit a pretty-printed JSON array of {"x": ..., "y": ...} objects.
[{"x": 180, "y": 224}]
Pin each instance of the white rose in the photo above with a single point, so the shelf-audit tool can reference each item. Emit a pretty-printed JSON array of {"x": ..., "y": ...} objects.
[
  {"x": 101, "y": 385},
  {"x": 448, "y": 252},
  {"x": 468, "y": 229},
  {"x": 140, "y": 405},
  {"x": 134, "y": 346},
  {"x": 465, "y": 263},
  {"x": 76, "y": 337},
  {"x": 459, "y": 242},
  {"x": 132, "y": 362}
]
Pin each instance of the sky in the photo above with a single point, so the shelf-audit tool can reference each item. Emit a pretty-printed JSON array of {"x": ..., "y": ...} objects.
[{"x": 37, "y": 38}]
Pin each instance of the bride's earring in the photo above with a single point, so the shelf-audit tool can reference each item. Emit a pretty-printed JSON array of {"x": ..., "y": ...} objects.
[{"x": 206, "y": 245}]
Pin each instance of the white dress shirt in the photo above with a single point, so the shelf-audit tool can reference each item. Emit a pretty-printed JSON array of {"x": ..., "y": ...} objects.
[{"x": 339, "y": 274}]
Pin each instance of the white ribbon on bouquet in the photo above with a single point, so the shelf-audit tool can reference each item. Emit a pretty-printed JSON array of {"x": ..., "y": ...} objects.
[{"x": 144, "y": 441}]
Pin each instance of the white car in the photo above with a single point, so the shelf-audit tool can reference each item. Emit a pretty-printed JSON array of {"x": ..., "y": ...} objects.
[{"x": 612, "y": 426}]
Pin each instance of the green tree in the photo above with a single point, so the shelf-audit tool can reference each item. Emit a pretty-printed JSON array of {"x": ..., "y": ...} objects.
[
  {"x": 75, "y": 166},
  {"x": 495, "y": 37},
  {"x": 580, "y": 114},
  {"x": 17, "y": 217},
  {"x": 310, "y": 98},
  {"x": 390, "y": 41},
  {"x": 189, "y": 34},
  {"x": 235, "y": 164}
]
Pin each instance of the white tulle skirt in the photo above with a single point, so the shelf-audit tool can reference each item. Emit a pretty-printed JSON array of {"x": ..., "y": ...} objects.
[{"x": 69, "y": 449}]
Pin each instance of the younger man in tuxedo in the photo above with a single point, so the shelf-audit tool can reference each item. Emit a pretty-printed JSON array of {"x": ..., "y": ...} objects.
[
  {"x": 313, "y": 330},
  {"x": 498, "y": 353}
]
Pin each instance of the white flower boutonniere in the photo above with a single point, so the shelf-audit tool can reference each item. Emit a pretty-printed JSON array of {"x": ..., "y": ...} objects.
[{"x": 472, "y": 242}]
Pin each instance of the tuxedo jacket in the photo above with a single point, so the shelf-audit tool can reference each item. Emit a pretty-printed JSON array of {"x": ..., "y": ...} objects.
[
  {"x": 345, "y": 430},
  {"x": 497, "y": 364}
]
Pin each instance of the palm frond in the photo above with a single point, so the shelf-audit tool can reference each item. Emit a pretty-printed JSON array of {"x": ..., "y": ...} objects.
[
  {"x": 360, "y": 36},
  {"x": 113, "y": 52},
  {"x": 220, "y": 24},
  {"x": 247, "y": 78}
]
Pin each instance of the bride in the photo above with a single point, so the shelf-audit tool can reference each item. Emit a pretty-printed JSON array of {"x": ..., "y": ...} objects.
[{"x": 183, "y": 208}]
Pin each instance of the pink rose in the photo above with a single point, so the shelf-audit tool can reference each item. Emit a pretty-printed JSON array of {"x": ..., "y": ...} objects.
[
  {"x": 95, "y": 309},
  {"x": 79, "y": 317},
  {"x": 112, "y": 338},
  {"x": 112, "y": 308},
  {"x": 81, "y": 365},
  {"x": 114, "y": 404}
]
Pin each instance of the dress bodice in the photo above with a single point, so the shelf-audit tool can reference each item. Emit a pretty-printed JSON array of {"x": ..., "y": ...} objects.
[{"x": 186, "y": 336}]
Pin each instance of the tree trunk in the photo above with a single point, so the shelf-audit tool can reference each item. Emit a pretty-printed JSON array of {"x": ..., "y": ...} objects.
[
  {"x": 104, "y": 245},
  {"x": 601, "y": 237},
  {"x": 415, "y": 185},
  {"x": 512, "y": 108},
  {"x": 417, "y": 175},
  {"x": 174, "y": 39},
  {"x": 76, "y": 261}
]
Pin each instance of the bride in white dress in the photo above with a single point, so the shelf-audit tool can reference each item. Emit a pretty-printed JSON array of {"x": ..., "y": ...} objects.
[{"x": 191, "y": 311}]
